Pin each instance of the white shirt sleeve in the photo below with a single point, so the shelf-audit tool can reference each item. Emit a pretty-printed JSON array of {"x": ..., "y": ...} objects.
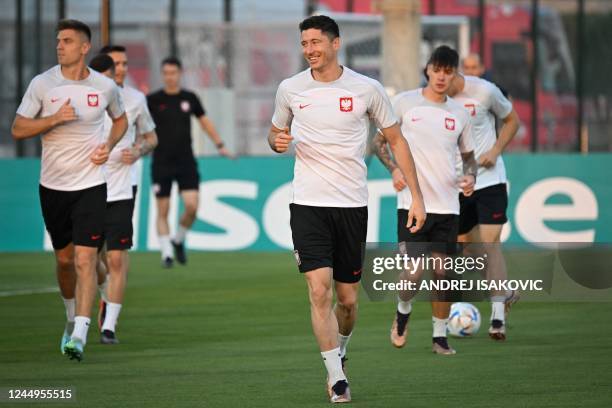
[
  {"x": 500, "y": 105},
  {"x": 144, "y": 121},
  {"x": 31, "y": 103},
  {"x": 466, "y": 140},
  {"x": 283, "y": 115},
  {"x": 380, "y": 109},
  {"x": 115, "y": 103}
]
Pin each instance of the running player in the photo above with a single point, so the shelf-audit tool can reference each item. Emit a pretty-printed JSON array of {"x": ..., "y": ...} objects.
[
  {"x": 172, "y": 108},
  {"x": 484, "y": 213},
  {"x": 328, "y": 107},
  {"x": 122, "y": 180},
  {"x": 434, "y": 126},
  {"x": 66, "y": 104}
]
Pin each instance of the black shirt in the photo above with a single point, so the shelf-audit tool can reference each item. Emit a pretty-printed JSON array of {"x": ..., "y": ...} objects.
[{"x": 172, "y": 117}]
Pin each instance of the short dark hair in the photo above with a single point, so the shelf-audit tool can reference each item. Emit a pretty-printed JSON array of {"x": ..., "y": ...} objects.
[
  {"x": 101, "y": 63},
  {"x": 76, "y": 25},
  {"x": 442, "y": 57},
  {"x": 326, "y": 24},
  {"x": 172, "y": 61},
  {"x": 107, "y": 49}
]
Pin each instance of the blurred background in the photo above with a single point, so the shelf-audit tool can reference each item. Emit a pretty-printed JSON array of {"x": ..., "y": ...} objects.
[{"x": 553, "y": 57}]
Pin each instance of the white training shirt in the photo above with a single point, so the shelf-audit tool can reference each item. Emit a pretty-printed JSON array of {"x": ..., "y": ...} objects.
[
  {"x": 121, "y": 177},
  {"x": 329, "y": 123},
  {"x": 434, "y": 131},
  {"x": 66, "y": 149},
  {"x": 484, "y": 101}
]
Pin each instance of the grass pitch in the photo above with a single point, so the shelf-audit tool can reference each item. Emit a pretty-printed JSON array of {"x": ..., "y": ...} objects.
[{"x": 233, "y": 330}]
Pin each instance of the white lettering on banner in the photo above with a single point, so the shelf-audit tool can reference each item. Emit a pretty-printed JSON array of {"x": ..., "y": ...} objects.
[
  {"x": 276, "y": 216},
  {"x": 241, "y": 230},
  {"x": 377, "y": 189},
  {"x": 532, "y": 210}
]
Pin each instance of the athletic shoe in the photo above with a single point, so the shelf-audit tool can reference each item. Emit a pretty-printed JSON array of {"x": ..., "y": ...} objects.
[
  {"x": 497, "y": 330},
  {"x": 399, "y": 329},
  {"x": 101, "y": 313},
  {"x": 74, "y": 349},
  {"x": 340, "y": 393},
  {"x": 167, "y": 262},
  {"x": 65, "y": 340},
  {"x": 179, "y": 252},
  {"x": 108, "y": 337},
  {"x": 440, "y": 346},
  {"x": 510, "y": 301}
]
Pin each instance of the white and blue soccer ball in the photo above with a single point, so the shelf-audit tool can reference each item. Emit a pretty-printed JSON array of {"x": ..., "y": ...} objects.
[{"x": 464, "y": 320}]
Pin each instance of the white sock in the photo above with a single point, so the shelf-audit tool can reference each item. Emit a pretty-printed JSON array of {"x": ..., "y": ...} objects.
[
  {"x": 70, "y": 306},
  {"x": 497, "y": 311},
  {"x": 181, "y": 233},
  {"x": 81, "y": 325},
  {"x": 333, "y": 364},
  {"x": 439, "y": 327},
  {"x": 165, "y": 246},
  {"x": 404, "y": 307},
  {"x": 112, "y": 314},
  {"x": 343, "y": 342}
]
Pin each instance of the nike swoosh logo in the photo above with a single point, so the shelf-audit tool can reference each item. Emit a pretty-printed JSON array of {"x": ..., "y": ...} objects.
[
  {"x": 96, "y": 237},
  {"x": 415, "y": 119},
  {"x": 53, "y": 100},
  {"x": 303, "y": 106}
]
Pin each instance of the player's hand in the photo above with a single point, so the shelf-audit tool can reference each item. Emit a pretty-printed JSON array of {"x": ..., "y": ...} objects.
[
  {"x": 282, "y": 140},
  {"x": 66, "y": 113},
  {"x": 130, "y": 156},
  {"x": 100, "y": 155},
  {"x": 399, "y": 182},
  {"x": 226, "y": 153},
  {"x": 416, "y": 215},
  {"x": 489, "y": 158},
  {"x": 466, "y": 183}
]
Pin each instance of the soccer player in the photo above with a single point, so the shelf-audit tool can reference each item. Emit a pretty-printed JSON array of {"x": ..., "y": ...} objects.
[
  {"x": 435, "y": 126},
  {"x": 172, "y": 108},
  {"x": 328, "y": 107},
  {"x": 122, "y": 181},
  {"x": 483, "y": 214},
  {"x": 471, "y": 65},
  {"x": 67, "y": 104}
]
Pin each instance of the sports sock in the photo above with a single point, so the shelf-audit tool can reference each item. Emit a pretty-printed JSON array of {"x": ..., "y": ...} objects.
[
  {"x": 102, "y": 289},
  {"x": 181, "y": 233},
  {"x": 497, "y": 311},
  {"x": 439, "y": 327},
  {"x": 112, "y": 314},
  {"x": 343, "y": 343},
  {"x": 165, "y": 246},
  {"x": 81, "y": 325},
  {"x": 333, "y": 364},
  {"x": 70, "y": 306},
  {"x": 404, "y": 307}
]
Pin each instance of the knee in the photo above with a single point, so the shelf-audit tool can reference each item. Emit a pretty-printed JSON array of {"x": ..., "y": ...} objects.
[
  {"x": 85, "y": 260},
  {"x": 115, "y": 261},
  {"x": 65, "y": 262},
  {"x": 347, "y": 303},
  {"x": 191, "y": 208},
  {"x": 320, "y": 296}
]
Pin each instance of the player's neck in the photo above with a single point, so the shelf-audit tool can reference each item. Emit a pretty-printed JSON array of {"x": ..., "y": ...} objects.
[
  {"x": 433, "y": 96},
  {"x": 75, "y": 72},
  {"x": 458, "y": 85},
  {"x": 329, "y": 73},
  {"x": 174, "y": 90}
]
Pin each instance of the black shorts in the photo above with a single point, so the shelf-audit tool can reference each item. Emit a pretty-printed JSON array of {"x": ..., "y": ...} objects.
[
  {"x": 486, "y": 206},
  {"x": 330, "y": 237},
  {"x": 118, "y": 228},
  {"x": 185, "y": 172},
  {"x": 74, "y": 216},
  {"x": 439, "y": 231}
]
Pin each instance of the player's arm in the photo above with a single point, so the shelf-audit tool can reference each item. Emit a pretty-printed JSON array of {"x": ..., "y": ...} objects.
[
  {"x": 24, "y": 128},
  {"x": 403, "y": 158},
  {"x": 144, "y": 144},
  {"x": 510, "y": 126},
  {"x": 208, "y": 126},
  {"x": 120, "y": 125},
  {"x": 384, "y": 155},
  {"x": 470, "y": 169},
  {"x": 279, "y": 139}
]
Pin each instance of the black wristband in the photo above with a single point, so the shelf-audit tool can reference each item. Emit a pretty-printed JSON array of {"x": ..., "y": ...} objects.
[{"x": 220, "y": 145}]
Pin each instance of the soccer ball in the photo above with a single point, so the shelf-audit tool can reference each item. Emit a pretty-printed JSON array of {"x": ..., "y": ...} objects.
[{"x": 464, "y": 320}]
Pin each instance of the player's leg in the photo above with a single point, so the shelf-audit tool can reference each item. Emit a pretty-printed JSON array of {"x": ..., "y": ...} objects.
[
  {"x": 66, "y": 279},
  {"x": 162, "y": 178},
  {"x": 102, "y": 273},
  {"x": 345, "y": 309},
  {"x": 189, "y": 185},
  {"x": 88, "y": 216}
]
